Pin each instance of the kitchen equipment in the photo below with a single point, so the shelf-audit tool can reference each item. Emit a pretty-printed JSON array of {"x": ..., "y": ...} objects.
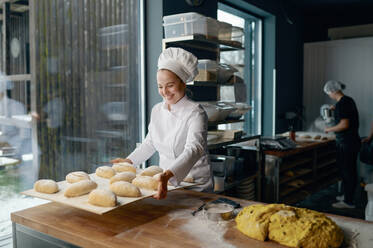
[
  {"x": 225, "y": 72},
  {"x": 277, "y": 143},
  {"x": 190, "y": 23},
  {"x": 219, "y": 183},
  {"x": 227, "y": 201},
  {"x": 238, "y": 34},
  {"x": 326, "y": 113},
  {"x": 225, "y": 31},
  {"x": 241, "y": 109},
  {"x": 207, "y": 70},
  {"x": 216, "y": 112},
  {"x": 222, "y": 165},
  {"x": 233, "y": 93},
  {"x": 227, "y": 134},
  {"x": 219, "y": 211}
]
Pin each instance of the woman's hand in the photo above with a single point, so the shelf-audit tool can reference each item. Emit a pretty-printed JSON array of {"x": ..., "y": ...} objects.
[
  {"x": 120, "y": 160},
  {"x": 368, "y": 139},
  {"x": 162, "y": 185}
]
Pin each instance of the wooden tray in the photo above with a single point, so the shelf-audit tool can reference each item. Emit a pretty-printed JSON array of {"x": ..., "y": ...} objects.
[{"x": 82, "y": 201}]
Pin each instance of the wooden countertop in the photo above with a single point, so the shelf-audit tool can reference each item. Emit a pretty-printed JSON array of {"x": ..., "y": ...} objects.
[
  {"x": 302, "y": 147},
  {"x": 145, "y": 223}
]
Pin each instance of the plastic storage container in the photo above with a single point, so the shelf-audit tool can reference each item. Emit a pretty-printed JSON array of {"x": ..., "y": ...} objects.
[
  {"x": 238, "y": 34},
  {"x": 113, "y": 36},
  {"x": 225, "y": 31},
  {"x": 207, "y": 70},
  {"x": 188, "y": 24}
]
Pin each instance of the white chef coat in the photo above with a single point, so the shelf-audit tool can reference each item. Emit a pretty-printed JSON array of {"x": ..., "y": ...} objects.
[
  {"x": 180, "y": 137},
  {"x": 14, "y": 136}
]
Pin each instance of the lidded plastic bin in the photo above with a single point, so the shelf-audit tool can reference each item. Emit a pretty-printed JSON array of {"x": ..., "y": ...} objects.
[
  {"x": 208, "y": 70},
  {"x": 225, "y": 31},
  {"x": 113, "y": 36},
  {"x": 189, "y": 24},
  {"x": 238, "y": 34}
]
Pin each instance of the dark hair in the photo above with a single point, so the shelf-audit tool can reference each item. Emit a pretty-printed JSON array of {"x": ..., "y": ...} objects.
[{"x": 343, "y": 86}]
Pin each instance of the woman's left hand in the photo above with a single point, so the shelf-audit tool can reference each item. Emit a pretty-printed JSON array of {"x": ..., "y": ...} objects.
[{"x": 162, "y": 185}]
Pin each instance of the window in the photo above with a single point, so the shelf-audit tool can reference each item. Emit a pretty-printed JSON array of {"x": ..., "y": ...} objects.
[
  {"x": 246, "y": 29},
  {"x": 70, "y": 90}
]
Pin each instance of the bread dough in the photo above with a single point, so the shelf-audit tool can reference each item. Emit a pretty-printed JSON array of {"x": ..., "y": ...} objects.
[
  {"x": 158, "y": 178},
  {"x": 290, "y": 226},
  {"x": 146, "y": 182},
  {"x": 317, "y": 137},
  {"x": 151, "y": 171},
  {"x": 126, "y": 176},
  {"x": 189, "y": 179},
  {"x": 121, "y": 167},
  {"x": 77, "y": 176},
  {"x": 80, "y": 188},
  {"x": 47, "y": 186},
  {"x": 324, "y": 138},
  {"x": 305, "y": 136},
  {"x": 102, "y": 198},
  {"x": 105, "y": 171},
  {"x": 126, "y": 189}
]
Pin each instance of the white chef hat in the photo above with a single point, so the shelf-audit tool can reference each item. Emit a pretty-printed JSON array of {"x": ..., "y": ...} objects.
[
  {"x": 333, "y": 86},
  {"x": 182, "y": 63}
]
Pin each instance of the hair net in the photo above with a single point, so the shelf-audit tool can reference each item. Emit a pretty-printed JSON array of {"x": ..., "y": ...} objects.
[
  {"x": 182, "y": 63},
  {"x": 333, "y": 86}
]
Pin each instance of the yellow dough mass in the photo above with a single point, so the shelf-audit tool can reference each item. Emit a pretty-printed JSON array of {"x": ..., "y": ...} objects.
[{"x": 290, "y": 226}]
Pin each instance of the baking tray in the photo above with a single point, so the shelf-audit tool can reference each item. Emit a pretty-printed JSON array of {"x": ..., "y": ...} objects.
[{"x": 82, "y": 201}]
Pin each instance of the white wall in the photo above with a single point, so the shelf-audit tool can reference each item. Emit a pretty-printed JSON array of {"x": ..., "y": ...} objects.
[{"x": 349, "y": 61}]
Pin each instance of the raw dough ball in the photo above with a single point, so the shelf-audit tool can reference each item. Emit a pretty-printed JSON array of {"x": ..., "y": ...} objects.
[
  {"x": 46, "y": 186},
  {"x": 80, "y": 188},
  {"x": 76, "y": 176},
  {"x": 146, "y": 182},
  {"x": 305, "y": 136},
  {"x": 126, "y": 176},
  {"x": 151, "y": 171},
  {"x": 189, "y": 179},
  {"x": 317, "y": 137},
  {"x": 324, "y": 138},
  {"x": 158, "y": 177},
  {"x": 290, "y": 226},
  {"x": 105, "y": 171},
  {"x": 102, "y": 198},
  {"x": 126, "y": 189},
  {"x": 121, "y": 167}
]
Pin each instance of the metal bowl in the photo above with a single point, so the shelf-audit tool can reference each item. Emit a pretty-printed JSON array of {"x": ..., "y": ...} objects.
[{"x": 219, "y": 211}]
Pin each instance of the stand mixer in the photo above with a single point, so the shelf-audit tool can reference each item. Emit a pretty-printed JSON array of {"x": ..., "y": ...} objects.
[{"x": 326, "y": 113}]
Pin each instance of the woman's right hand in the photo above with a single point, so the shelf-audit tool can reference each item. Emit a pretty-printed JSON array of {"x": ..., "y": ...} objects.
[{"x": 120, "y": 160}]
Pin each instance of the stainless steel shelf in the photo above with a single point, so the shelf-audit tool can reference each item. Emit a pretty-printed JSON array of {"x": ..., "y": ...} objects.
[
  {"x": 214, "y": 144},
  {"x": 200, "y": 42},
  {"x": 214, "y": 123}
]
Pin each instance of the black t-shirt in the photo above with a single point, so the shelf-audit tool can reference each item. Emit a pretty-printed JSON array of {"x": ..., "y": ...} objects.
[{"x": 346, "y": 109}]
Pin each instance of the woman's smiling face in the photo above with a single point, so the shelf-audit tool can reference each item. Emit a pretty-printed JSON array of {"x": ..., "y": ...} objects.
[{"x": 170, "y": 86}]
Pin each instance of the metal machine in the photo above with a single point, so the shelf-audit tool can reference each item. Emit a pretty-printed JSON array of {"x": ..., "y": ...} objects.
[{"x": 326, "y": 112}]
